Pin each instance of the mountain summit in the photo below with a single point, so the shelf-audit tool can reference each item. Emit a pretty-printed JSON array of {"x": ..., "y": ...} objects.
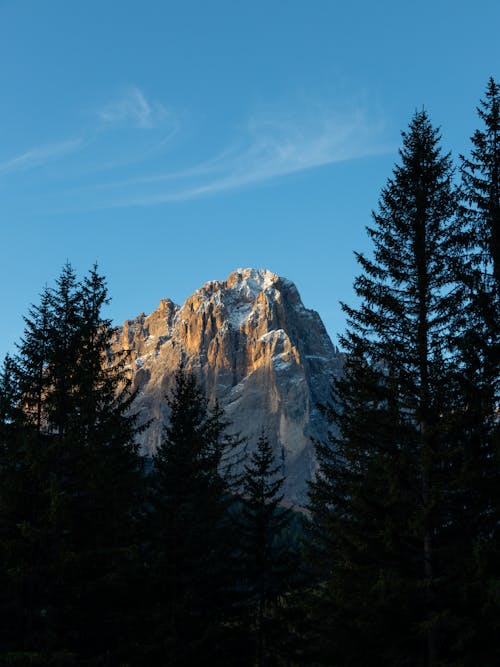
[{"x": 252, "y": 344}]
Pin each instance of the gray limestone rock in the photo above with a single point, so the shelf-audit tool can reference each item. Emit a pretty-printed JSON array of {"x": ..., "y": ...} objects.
[{"x": 253, "y": 345}]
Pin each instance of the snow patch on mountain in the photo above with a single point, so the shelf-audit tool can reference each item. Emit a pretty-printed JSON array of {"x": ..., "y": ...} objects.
[{"x": 254, "y": 346}]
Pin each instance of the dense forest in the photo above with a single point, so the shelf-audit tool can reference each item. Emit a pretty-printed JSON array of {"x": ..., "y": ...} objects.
[{"x": 194, "y": 559}]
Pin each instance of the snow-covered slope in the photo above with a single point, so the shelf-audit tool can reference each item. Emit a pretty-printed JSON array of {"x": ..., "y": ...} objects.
[{"x": 252, "y": 344}]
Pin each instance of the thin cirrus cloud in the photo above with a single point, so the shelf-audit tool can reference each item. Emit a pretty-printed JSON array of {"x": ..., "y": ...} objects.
[
  {"x": 39, "y": 156},
  {"x": 133, "y": 108},
  {"x": 265, "y": 148},
  {"x": 272, "y": 147}
]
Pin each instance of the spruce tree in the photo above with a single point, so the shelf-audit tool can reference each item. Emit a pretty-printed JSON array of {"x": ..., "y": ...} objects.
[
  {"x": 476, "y": 425},
  {"x": 9, "y": 400},
  {"x": 78, "y": 476},
  {"x": 33, "y": 361},
  {"x": 189, "y": 526},
  {"x": 266, "y": 561},
  {"x": 481, "y": 188},
  {"x": 11, "y": 612},
  {"x": 379, "y": 502}
]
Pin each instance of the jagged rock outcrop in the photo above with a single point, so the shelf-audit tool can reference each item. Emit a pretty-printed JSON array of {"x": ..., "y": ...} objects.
[{"x": 252, "y": 344}]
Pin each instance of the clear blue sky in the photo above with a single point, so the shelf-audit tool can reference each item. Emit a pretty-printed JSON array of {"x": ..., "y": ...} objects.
[{"x": 174, "y": 142}]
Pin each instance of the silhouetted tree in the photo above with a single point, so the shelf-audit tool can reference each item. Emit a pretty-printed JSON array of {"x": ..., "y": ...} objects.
[
  {"x": 78, "y": 481},
  {"x": 190, "y": 549},
  {"x": 381, "y": 498},
  {"x": 476, "y": 423},
  {"x": 481, "y": 188},
  {"x": 266, "y": 560}
]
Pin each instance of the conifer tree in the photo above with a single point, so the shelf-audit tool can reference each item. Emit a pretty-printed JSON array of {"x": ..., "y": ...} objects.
[
  {"x": 9, "y": 399},
  {"x": 266, "y": 560},
  {"x": 10, "y": 609},
  {"x": 381, "y": 497},
  {"x": 190, "y": 549},
  {"x": 481, "y": 187},
  {"x": 33, "y": 359},
  {"x": 78, "y": 477},
  {"x": 476, "y": 424}
]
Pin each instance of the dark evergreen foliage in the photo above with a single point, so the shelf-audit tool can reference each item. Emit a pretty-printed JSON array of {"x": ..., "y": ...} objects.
[
  {"x": 476, "y": 423},
  {"x": 190, "y": 539},
  {"x": 381, "y": 498},
  {"x": 191, "y": 564},
  {"x": 70, "y": 482},
  {"x": 481, "y": 186},
  {"x": 266, "y": 560}
]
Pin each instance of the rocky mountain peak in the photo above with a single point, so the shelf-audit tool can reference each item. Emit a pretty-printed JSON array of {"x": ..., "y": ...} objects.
[{"x": 252, "y": 345}]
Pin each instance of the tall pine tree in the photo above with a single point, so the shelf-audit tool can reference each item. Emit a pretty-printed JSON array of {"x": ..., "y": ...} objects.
[
  {"x": 481, "y": 185},
  {"x": 72, "y": 516},
  {"x": 379, "y": 503},
  {"x": 476, "y": 424},
  {"x": 266, "y": 560},
  {"x": 189, "y": 517}
]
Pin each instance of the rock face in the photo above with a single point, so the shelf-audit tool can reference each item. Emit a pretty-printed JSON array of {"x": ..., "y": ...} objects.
[{"x": 252, "y": 344}]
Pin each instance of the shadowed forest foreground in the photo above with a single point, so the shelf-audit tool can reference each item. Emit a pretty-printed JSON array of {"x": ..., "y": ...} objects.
[{"x": 195, "y": 560}]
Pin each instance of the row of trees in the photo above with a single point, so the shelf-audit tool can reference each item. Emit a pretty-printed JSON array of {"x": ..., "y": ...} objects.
[
  {"x": 70, "y": 492},
  {"x": 406, "y": 508},
  {"x": 101, "y": 561}
]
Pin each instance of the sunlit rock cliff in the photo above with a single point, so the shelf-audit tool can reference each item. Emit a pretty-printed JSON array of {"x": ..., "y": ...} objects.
[{"x": 252, "y": 344}]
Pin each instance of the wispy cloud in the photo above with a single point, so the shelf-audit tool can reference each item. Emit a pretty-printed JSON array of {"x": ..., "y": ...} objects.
[
  {"x": 39, "y": 156},
  {"x": 271, "y": 147},
  {"x": 266, "y": 147},
  {"x": 133, "y": 108}
]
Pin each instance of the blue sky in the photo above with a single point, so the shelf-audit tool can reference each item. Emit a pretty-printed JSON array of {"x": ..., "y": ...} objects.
[{"x": 173, "y": 142}]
